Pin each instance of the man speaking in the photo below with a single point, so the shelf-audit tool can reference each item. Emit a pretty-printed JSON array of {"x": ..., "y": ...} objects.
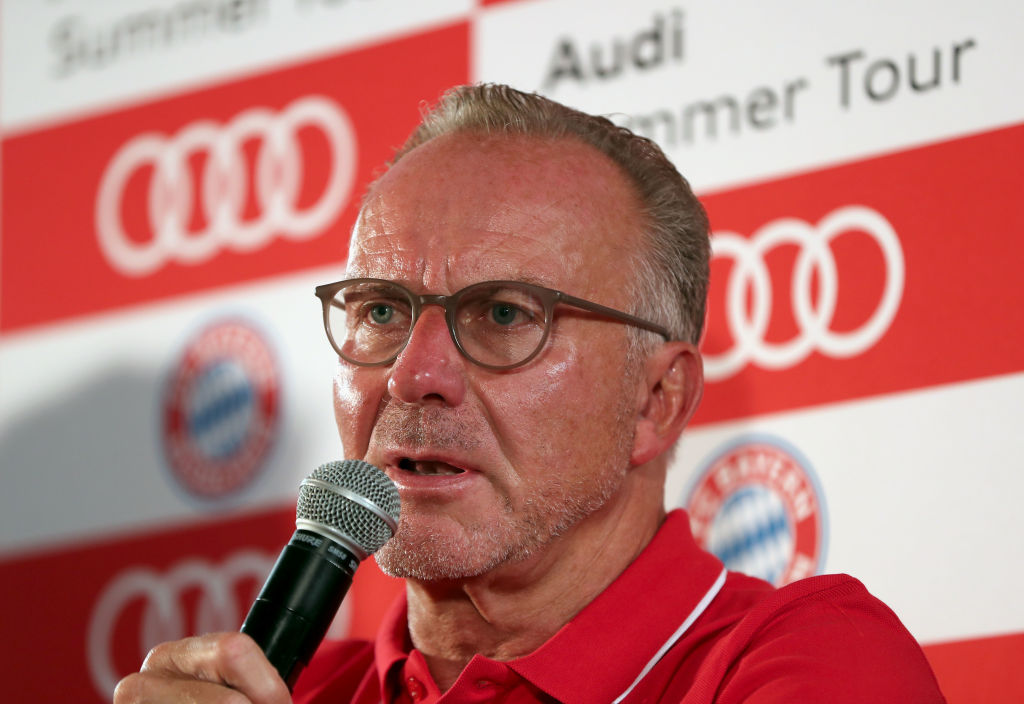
[{"x": 516, "y": 333}]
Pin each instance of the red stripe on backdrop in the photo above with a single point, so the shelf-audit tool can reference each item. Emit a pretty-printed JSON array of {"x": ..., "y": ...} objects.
[
  {"x": 83, "y": 205},
  {"x": 943, "y": 307},
  {"x": 980, "y": 671},
  {"x": 96, "y": 609}
]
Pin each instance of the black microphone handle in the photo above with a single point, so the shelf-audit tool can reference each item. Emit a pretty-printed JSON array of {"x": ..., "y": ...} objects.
[{"x": 299, "y": 600}]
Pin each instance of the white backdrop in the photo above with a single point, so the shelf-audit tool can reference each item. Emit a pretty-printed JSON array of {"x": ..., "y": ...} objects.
[{"x": 177, "y": 176}]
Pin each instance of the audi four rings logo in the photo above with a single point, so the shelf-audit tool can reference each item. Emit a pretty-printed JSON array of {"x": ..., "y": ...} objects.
[
  {"x": 813, "y": 317},
  {"x": 163, "y": 616},
  {"x": 224, "y": 186}
]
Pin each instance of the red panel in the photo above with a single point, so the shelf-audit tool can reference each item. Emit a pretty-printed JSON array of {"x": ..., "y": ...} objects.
[
  {"x": 96, "y": 609},
  {"x": 982, "y": 671},
  {"x": 59, "y": 594},
  {"x": 53, "y": 265},
  {"x": 954, "y": 211},
  {"x": 371, "y": 594}
]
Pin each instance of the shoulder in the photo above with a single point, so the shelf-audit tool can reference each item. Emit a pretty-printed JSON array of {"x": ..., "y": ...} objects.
[
  {"x": 826, "y": 601},
  {"x": 820, "y": 639},
  {"x": 336, "y": 671}
]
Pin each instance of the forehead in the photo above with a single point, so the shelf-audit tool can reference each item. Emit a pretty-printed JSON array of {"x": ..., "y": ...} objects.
[{"x": 465, "y": 208}]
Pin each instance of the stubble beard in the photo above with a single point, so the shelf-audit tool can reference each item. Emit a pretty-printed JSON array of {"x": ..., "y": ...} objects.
[{"x": 430, "y": 547}]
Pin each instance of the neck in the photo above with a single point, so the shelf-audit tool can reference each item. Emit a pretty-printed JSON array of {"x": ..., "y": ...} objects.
[{"x": 512, "y": 610}]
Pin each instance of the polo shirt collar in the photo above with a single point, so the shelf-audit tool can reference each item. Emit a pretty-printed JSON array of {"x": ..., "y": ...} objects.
[
  {"x": 606, "y": 647},
  {"x": 600, "y": 653}
]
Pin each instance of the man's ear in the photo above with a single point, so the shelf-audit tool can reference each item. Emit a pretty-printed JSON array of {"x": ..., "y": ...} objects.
[{"x": 671, "y": 389}]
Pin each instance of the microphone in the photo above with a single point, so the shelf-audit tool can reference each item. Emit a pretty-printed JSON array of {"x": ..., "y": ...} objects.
[{"x": 346, "y": 511}]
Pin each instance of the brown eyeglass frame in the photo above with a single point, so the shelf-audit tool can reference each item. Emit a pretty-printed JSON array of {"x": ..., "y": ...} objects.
[{"x": 549, "y": 297}]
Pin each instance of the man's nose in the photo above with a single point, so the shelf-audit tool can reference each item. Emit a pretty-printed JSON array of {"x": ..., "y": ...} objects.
[{"x": 430, "y": 368}]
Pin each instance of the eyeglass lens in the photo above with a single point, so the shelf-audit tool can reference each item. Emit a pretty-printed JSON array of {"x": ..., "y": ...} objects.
[{"x": 495, "y": 324}]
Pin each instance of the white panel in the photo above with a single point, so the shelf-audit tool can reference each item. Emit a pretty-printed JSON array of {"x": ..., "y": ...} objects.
[
  {"x": 81, "y": 413},
  {"x": 922, "y": 494},
  {"x": 801, "y": 104},
  {"x": 59, "y": 59}
]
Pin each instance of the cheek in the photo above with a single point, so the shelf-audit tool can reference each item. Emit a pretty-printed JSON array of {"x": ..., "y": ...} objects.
[
  {"x": 355, "y": 407},
  {"x": 556, "y": 412}
]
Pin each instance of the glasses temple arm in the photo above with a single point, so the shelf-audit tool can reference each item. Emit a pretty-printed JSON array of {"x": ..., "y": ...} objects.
[{"x": 612, "y": 313}]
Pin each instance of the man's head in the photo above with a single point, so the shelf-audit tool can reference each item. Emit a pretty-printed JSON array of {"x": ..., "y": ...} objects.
[
  {"x": 499, "y": 466},
  {"x": 671, "y": 270}
]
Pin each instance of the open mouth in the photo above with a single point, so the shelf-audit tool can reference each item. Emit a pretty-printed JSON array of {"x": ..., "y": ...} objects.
[{"x": 428, "y": 468}]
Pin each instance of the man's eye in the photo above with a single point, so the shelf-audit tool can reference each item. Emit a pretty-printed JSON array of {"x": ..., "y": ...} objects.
[
  {"x": 504, "y": 313},
  {"x": 381, "y": 313}
]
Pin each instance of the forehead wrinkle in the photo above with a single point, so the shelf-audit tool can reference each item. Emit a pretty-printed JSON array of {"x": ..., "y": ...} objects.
[
  {"x": 499, "y": 251},
  {"x": 529, "y": 259},
  {"x": 389, "y": 254}
]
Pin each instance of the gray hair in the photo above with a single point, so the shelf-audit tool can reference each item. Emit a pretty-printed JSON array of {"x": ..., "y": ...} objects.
[{"x": 672, "y": 274}]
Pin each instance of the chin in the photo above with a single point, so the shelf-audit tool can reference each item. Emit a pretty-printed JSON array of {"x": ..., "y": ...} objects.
[
  {"x": 429, "y": 565},
  {"x": 431, "y": 547},
  {"x": 434, "y": 547}
]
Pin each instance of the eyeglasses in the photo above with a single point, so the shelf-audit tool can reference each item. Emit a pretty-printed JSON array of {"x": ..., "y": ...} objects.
[{"x": 495, "y": 324}]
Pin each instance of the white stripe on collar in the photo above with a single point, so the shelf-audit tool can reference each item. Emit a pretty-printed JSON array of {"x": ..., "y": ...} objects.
[{"x": 697, "y": 611}]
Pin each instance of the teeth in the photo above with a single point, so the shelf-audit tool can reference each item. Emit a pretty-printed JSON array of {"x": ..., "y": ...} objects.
[{"x": 428, "y": 468}]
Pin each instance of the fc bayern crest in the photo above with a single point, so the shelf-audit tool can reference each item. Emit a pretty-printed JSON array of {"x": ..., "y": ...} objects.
[
  {"x": 221, "y": 409},
  {"x": 756, "y": 505}
]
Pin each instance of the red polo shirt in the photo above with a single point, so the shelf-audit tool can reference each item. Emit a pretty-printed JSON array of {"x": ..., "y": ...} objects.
[{"x": 674, "y": 627}]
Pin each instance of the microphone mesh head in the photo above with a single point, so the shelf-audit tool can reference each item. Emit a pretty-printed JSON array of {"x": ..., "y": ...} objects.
[{"x": 363, "y": 525}]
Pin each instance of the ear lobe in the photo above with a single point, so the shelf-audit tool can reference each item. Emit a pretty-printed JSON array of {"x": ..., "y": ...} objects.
[{"x": 673, "y": 388}]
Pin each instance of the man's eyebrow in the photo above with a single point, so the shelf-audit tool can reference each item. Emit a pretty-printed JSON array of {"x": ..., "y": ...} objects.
[{"x": 528, "y": 279}]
